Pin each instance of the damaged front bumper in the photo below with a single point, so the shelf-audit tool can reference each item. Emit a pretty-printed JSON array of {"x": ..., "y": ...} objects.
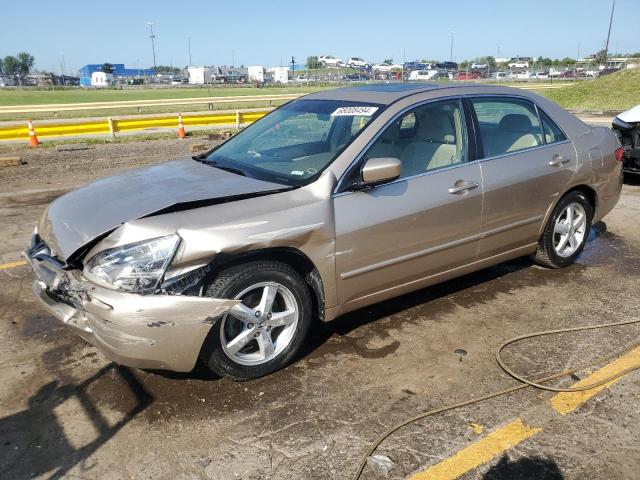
[{"x": 155, "y": 331}]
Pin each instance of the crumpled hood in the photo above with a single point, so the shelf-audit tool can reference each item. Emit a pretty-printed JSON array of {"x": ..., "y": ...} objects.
[{"x": 79, "y": 217}]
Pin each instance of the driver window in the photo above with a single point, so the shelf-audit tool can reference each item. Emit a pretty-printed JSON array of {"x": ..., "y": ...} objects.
[{"x": 426, "y": 138}]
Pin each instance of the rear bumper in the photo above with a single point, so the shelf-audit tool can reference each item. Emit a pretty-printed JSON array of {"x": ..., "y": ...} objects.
[{"x": 144, "y": 331}]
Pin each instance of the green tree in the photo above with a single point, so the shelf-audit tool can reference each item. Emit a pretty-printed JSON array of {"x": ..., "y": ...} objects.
[
  {"x": 166, "y": 70},
  {"x": 388, "y": 61},
  {"x": 25, "y": 63},
  {"x": 106, "y": 67},
  {"x": 11, "y": 66},
  {"x": 601, "y": 57},
  {"x": 313, "y": 63}
]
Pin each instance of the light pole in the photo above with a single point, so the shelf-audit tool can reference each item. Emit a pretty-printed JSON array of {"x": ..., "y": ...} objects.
[
  {"x": 189, "y": 44},
  {"x": 606, "y": 45},
  {"x": 62, "y": 69},
  {"x": 451, "y": 51},
  {"x": 153, "y": 47}
]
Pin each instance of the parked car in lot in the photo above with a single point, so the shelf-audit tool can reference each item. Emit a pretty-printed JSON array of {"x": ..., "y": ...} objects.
[
  {"x": 382, "y": 67},
  {"x": 500, "y": 75},
  {"x": 540, "y": 75},
  {"x": 329, "y": 61},
  {"x": 479, "y": 66},
  {"x": 467, "y": 75},
  {"x": 627, "y": 126},
  {"x": 330, "y": 203},
  {"x": 410, "y": 66},
  {"x": 519, "y": 64},
  {"x": 446, "y": 66},
  {"x": 424, "y": 75},
  {"x": 357, "y": 62}
]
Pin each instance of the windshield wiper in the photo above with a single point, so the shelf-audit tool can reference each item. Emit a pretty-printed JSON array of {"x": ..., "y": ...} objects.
[{"x": 226, "y": 168}]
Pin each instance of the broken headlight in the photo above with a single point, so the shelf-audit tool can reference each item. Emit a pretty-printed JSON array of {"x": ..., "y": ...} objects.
[{"x": 137, "y": 267}]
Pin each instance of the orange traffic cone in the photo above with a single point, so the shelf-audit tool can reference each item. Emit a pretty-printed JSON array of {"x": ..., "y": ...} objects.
[
  {"x": 181, "y": 131},
  {"x": 33, "y": 140}
]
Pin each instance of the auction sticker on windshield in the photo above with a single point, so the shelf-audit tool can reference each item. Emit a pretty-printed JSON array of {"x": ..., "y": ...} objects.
[{"x": 352, "y": 111}]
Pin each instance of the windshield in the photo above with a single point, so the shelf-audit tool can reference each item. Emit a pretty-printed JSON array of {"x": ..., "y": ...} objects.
[{"x": 295, "y": 143}]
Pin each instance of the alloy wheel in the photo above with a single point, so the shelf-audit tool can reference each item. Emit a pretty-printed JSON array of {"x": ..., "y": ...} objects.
[
  {"x": 569, "y": 230},
  {"x": 262, "y": 326}
]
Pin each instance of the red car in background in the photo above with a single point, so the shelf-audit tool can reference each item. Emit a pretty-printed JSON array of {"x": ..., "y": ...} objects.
[{"x": 467, "y": 76}]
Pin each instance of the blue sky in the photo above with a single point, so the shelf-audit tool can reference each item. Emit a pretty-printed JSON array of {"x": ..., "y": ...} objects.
[{"x": 269, "y": 32}]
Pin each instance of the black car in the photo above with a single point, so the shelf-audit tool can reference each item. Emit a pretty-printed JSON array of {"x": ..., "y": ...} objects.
[{"x": 447, "y": 66}]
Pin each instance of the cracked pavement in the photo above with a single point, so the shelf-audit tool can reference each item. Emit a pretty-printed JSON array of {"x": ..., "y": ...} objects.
[{"x": 66, "y": 412}]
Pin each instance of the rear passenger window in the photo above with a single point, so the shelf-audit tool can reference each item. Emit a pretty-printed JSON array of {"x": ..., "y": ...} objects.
[
  {"x": 507, "y": 125},
  {"x": 552, "y": 132}
]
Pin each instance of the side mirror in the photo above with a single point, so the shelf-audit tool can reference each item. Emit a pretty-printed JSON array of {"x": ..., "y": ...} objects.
[{"x": 379, "y": 170}]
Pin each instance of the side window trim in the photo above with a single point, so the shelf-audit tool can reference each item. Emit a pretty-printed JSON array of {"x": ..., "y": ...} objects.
[{"x": 356, "y": 164}]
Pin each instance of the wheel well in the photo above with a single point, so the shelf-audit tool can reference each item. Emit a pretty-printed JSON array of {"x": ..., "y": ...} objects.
[
  {"x": 292, "y": 257},
  {"x": 589, "y": 192}
]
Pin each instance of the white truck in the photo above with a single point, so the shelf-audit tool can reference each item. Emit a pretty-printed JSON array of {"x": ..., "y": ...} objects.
[
  {"x": 357, "y": 62},
  {"x": 424, "y": 75},
  {"x": 329, "y": 61}
]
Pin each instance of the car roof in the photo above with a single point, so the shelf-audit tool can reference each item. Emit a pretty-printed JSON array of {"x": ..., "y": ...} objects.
[{"x": 388, "y": 93}]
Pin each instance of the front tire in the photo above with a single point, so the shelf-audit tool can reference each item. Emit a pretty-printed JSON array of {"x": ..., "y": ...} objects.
[
  {"x": 566, "y": 232},
  {"x": 264, "y": 332}
]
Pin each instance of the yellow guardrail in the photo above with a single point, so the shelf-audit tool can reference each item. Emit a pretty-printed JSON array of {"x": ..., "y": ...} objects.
[{"x": 113, "y": 126}]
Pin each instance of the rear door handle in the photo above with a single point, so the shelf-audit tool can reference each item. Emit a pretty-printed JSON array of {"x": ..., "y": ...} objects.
[
  {"x": 461, "y": 186},
  {"x": 559, "y": 160}
]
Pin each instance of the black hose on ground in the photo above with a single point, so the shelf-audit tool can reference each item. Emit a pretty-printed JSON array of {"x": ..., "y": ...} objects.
[{"x": 525, "y": 383}]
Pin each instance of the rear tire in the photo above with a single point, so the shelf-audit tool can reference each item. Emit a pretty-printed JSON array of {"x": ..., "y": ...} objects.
[
  {"x": 266, "y": 332},
  {"x": 566, "y": 232}
]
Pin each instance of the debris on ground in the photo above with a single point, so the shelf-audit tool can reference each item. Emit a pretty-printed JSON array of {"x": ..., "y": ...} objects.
[
  {"x": 72, "y": 147},
  {"x": 11, "y": 161},
  {"x": 381, "y": 463},
  {"x": 219, "y": 136},
  {"x": 198, "y": 147},
  {"x": 477, "y": 428}
]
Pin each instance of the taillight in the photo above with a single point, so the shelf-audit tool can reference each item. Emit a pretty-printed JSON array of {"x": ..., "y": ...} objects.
[{"x": 619, "y": 153}]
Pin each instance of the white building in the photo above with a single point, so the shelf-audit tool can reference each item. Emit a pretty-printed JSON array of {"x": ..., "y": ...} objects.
[
  {"x": 280, "y": 74},
  {"x": 256, "y": 73},
  {"x": 199, "y": 75},
  {"x": 101, "y": 79}
]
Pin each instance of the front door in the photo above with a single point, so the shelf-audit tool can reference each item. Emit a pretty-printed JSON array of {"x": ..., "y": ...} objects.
[{"x": 394, "y": 236}]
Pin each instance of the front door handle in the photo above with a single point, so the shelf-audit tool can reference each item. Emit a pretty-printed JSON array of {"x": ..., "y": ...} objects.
[
  {"x": 559, "y": 160},
  {"x": 461, "y": 186}
]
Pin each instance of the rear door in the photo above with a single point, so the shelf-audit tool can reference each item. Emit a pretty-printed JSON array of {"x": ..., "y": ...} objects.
[{"x": 527, "y": 162}]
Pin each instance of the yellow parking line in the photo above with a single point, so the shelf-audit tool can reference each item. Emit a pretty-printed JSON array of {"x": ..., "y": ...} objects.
[
  {"x": 496, "y": 443},
  {"x": 564, "y": 403},
  {"x": 479, "y": 452},
  {"x": 17, "y": 263}
]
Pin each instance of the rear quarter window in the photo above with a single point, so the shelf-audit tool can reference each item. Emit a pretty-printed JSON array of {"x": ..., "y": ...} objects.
[{"x": 552, "y": 133}]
